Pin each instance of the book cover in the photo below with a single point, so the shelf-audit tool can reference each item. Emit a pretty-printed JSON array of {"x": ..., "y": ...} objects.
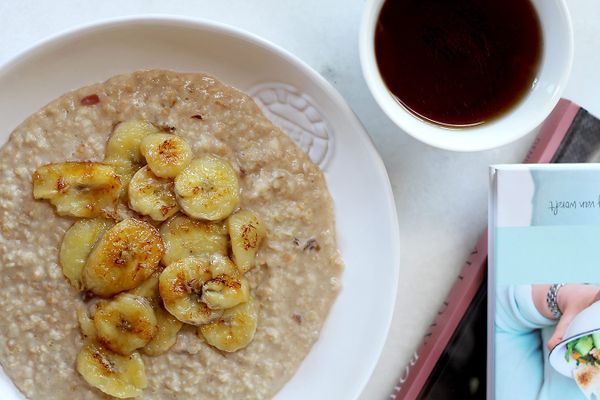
[{"x": 544, "y": 302}]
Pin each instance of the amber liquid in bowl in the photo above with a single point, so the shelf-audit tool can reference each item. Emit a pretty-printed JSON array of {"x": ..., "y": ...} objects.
[{"x": 458, "y": 62}]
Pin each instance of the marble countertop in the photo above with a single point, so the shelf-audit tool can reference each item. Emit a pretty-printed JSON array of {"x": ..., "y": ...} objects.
[{"x": 441, "y": 196}]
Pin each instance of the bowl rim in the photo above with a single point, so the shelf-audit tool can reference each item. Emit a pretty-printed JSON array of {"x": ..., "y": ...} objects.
[{"x": 482, "y": 139}]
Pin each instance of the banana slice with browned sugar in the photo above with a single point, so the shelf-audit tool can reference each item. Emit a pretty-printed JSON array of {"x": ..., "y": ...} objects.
[
  {"x": 151, "y": 195},
  {"x": 114, "y": 374},
  {"x": 208, "y": 188},
  {"x": 123, "y": 147},
  {"x": 246, "y": 231},
  {"x": 166, "y": 335},
  {"x": 77, "y": 244},
  {"x": 148, "y": 289},
  {"x": 168, "y": 325},
  {"x": 184, "y": 237},
  {"x": 166, "y": 154},
  {"x": 235, "y": 329},
  {"x": 125, "y": 256},
  {"x": 196, "y": 289},
  {"x": 124, "y": 143},
  {"x": 125, "y": 323},
  {"x": 78, "y": 189},
  {"x": 225, "y": 290},
  {"x": 86, "y": 324},
  {"x": 180, "y": 286}
]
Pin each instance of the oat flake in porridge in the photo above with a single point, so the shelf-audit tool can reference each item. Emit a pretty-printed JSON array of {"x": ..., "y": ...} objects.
[{"x": 297, "y": 267}]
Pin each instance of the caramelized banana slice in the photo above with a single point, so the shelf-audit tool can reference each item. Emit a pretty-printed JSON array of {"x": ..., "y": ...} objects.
[
  {"x": 227, "y": 288},
  {"x": 123, "y": 148},
  {"x": 182, "y": 288},
  {"x": 127, "y": 255},
  {"x": 149, "y": 290},
  {"x": 86, "y": 324},
  {"x": 166, "y": 154},
  {"x": 168, "y": 325},
  {"x": 77, "y": 244},
  {"x": 124, "y": 143},
  {"x": 185, "y": 237},
  {"x": 78, "y": 189},
  {"x": 208, "y": 188},
  {"x": 125, "y": 323},
  {"x": 166, "y": 335},
  {"x": 225, "y": 291},
  {"x": 235, "y": 329},
  {"x": 125, "y": 170},
  {"x": 151, "y": 195},
  {"x": 246, "y": 232},
  {"x": 116, "y": 375}
]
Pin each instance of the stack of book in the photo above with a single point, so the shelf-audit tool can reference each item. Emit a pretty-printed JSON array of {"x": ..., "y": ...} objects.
[{"x": 569, "y": 135}]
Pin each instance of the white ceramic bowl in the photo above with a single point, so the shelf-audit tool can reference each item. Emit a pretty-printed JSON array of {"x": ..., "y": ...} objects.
[
  {"x": 310, "y": 110},
  {"x": 549, "y": 83},
  {"x": 585, "y": 323}
]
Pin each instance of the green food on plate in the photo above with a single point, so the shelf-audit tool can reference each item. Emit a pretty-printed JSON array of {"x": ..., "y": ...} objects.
[{"x": 585, "y": 349}]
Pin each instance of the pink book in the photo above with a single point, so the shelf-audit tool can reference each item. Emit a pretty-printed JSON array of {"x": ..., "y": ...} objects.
[{"x": 564, "y": 137}]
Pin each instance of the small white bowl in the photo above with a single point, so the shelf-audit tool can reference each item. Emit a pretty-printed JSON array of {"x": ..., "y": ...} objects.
[
  {"x": 585, "y": 323},
  {"x": 550, "y": 81}
]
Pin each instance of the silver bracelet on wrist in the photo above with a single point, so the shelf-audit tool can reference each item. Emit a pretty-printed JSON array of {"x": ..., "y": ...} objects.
[{"x": 551, "y": 300}]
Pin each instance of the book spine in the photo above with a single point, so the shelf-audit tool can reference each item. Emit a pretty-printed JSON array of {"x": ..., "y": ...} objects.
[
  {"x": 472, "y": 275},
  {"x": 449, "y": 315},
  {"x": 552, "y": 133}
]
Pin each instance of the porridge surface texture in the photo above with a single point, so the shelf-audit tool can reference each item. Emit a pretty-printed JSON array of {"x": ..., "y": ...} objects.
[{"x": 298, "y": 270}]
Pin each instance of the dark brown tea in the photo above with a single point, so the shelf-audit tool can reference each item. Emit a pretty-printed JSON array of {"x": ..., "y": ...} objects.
[{"x": 458, "y": 62}]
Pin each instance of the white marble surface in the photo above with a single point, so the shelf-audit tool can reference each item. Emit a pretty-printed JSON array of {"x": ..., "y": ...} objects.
[{"x": 440, "y": 196}]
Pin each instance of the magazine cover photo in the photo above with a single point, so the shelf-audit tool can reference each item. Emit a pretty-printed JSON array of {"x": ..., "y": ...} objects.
[{"x": 545, "y": 311}]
